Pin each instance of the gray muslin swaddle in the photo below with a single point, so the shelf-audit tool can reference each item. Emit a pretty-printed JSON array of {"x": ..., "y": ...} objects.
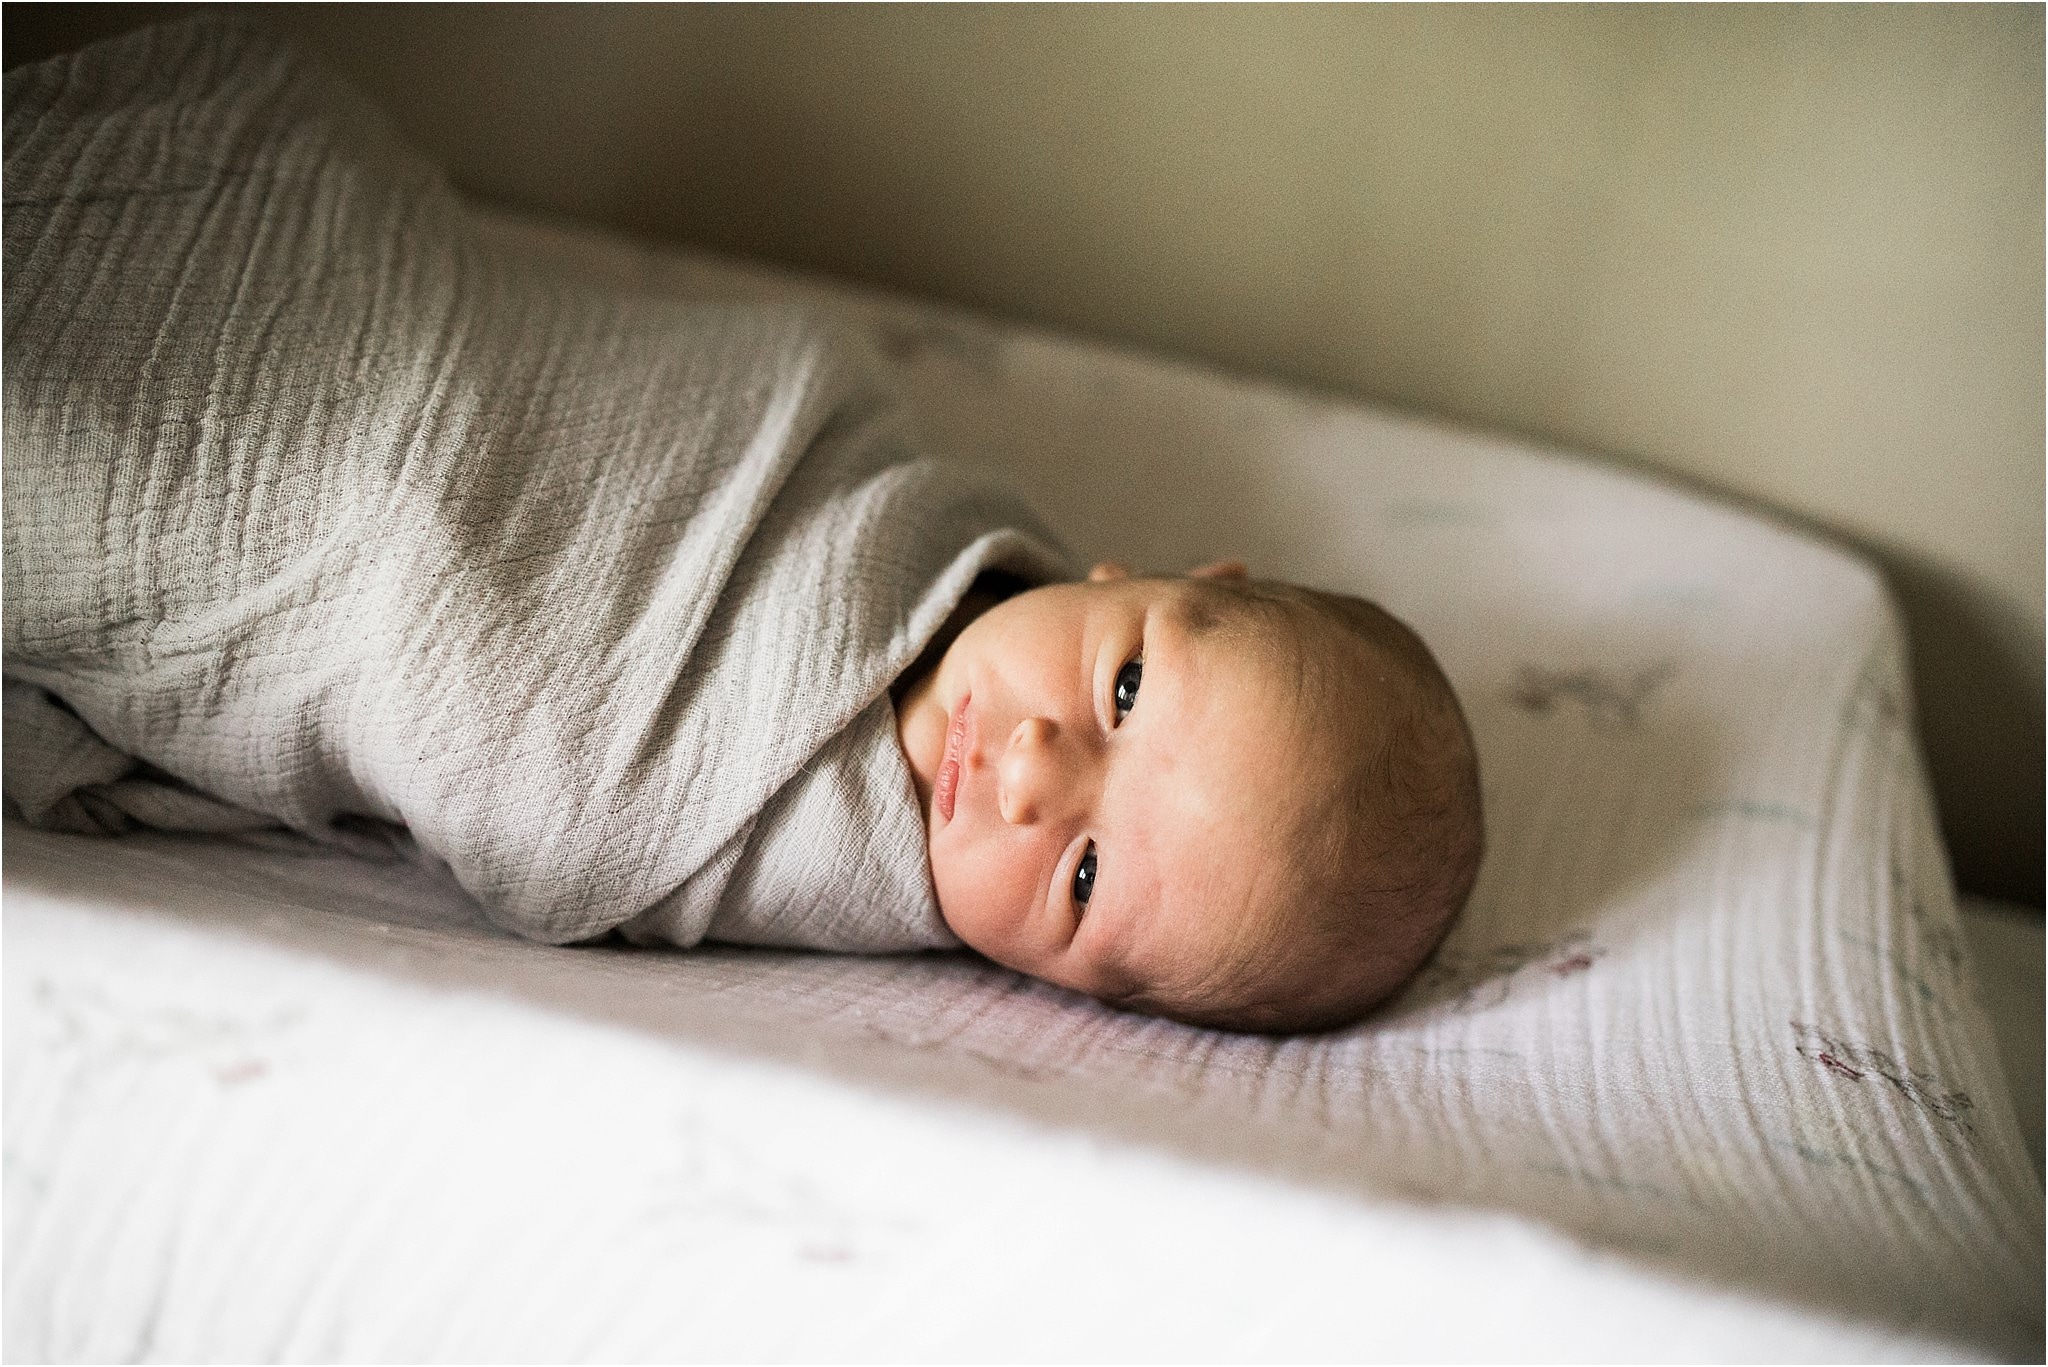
[{"x": 597, "y": 594}]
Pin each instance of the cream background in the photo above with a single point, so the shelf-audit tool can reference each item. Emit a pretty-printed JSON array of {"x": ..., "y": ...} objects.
[{"x": 1792, "y": 255}]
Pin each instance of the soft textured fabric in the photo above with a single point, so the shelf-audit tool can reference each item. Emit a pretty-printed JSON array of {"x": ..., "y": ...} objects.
[
  {"x": 1699, "y": 1076},
  {"x": 321, "y": 509}
]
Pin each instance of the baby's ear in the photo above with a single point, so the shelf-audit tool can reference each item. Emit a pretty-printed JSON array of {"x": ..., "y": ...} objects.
[
  {"x": 1109, "y": 569},
  {"x": 1219, "y": 569}
]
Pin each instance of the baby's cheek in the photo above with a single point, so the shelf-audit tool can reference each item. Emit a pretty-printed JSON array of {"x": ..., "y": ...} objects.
[
  {"x": 985, "y": 895},
  {"x": 953, "y": 879}
]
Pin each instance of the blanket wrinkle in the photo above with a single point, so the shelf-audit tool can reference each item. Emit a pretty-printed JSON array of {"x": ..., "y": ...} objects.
[{"x": 597, "y": 592}]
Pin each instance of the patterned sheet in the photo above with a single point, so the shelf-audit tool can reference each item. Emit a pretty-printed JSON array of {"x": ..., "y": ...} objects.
[{"x": 1699, "y": 1075}]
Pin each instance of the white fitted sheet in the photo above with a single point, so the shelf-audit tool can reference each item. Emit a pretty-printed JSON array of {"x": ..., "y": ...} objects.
[
  {"x": 2007, "y": 959},
  {"x": 1699, "y": 1075}
]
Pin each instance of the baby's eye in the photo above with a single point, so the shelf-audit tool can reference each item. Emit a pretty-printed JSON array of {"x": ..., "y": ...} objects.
[
  {"x": 1127, "y": 687},
  {"x": 1084, "y": 879}
]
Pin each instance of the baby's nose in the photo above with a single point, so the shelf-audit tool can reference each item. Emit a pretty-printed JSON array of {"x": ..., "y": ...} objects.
[{"x": 1032, "y": 779}]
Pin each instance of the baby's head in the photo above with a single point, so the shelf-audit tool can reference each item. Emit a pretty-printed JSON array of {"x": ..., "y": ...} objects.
[{"x": 1231, "y": 802}]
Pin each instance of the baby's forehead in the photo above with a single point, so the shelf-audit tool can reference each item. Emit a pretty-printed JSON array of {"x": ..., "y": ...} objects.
[
  {"x": 1258, "y": 744},
  {"x": 1208, "y": 848},
  {"x": 1296, "y": 715},
  {"x": 1283, "y": 620},
  {"x": 1259, "y": 638},
  {"x": 1242, "y": 730},
  {"x": 1213, "y": 892}
]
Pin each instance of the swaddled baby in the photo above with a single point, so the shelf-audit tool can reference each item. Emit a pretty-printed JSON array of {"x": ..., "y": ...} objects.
[
  {"x": 635, "y": 612},
  {"x": 1230, "y": 802}
]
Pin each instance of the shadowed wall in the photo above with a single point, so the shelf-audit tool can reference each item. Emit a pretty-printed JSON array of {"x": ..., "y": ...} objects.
[{"x": 1791, "y": 255}]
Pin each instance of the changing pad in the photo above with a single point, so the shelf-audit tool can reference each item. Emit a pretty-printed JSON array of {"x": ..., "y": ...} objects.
[{"x": 1698, "y": 1075}]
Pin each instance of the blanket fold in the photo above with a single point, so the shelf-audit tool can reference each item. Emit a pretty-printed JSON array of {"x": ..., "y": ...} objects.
[{"x": 318, "y": 510}]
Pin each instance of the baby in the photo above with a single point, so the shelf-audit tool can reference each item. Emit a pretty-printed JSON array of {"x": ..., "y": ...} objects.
[
  {"x": 326, "y": 516},
  {"x": 1234, "y": 803}
]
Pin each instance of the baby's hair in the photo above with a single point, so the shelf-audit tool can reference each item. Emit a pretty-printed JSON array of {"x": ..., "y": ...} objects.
[{"x": 1380, "y": 853}]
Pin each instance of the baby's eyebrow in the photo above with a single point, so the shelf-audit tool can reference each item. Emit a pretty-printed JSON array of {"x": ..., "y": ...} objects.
[
  {"x": 1111, "y": 948},
  {"x": 1193, "y": 614},
  {"x": 1124, "y": 907},
  {"x": 1198, "y": 617}
]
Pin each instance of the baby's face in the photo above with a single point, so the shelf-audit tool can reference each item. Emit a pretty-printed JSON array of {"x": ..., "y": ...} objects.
[{"x": 1102, "y": 772}]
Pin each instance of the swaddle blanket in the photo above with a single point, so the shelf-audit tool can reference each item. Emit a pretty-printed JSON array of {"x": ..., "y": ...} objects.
[{"x": 595, "y": 594}]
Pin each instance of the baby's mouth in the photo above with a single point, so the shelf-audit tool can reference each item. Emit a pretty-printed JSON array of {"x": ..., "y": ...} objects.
[{"x": 947, "y": 785}]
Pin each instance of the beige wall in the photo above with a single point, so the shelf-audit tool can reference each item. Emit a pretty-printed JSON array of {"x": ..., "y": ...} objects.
[{"x": 1793, "y": 255}]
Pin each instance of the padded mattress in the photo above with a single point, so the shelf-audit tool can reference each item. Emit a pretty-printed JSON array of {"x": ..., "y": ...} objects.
[{"x": 1700, "y": 1073}]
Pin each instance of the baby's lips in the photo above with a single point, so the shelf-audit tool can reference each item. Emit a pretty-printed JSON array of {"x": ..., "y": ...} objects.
[{"x": 946, "y": 787}]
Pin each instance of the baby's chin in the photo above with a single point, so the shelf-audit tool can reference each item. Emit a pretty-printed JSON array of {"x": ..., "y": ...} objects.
[{"x": 921, "y": 736}]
